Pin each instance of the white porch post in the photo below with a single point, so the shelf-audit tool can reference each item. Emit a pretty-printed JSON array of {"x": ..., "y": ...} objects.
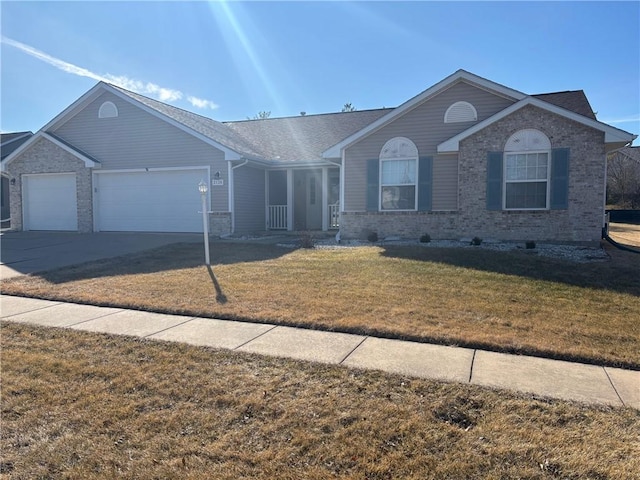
[
  {"x": 266, "y": 200},
  {"x": 342, "y": 176},
  {"x": 325, "y": 199},
  {"x": 289, "y": 199}
]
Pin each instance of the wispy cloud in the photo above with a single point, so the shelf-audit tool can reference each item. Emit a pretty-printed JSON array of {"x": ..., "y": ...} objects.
[
  {"x": 201, "y": 103},
  {"x": 629, "y": 119},
  {"x": 144, "y": 88}
]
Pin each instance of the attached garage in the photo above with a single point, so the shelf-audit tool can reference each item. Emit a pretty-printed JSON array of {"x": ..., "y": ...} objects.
[
  {"x": 149, "y": 201},
  {"x": 50, "y": 202}
]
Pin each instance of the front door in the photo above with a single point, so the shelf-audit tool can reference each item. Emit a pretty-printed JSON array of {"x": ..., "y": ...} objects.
[
  {"x": 307, "y": 200},
  {"x": 314, "y": 200}
]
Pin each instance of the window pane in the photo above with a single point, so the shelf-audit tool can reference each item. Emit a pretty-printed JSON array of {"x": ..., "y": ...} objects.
[
  {"x": 399, "y": 198},
  {"x": 542, "y": 159},
  {"x": 398, "y": 172},
  {"x": 526, "y": 195},
  {"x": 529, "y": 166}
]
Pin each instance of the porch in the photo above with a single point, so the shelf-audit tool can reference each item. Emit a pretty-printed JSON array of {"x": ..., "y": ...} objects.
[{"x": 303, "y": 199}]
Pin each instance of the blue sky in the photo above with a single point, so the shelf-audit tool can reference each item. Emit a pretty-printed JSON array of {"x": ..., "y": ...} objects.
[{"x": 229, "y": 60}]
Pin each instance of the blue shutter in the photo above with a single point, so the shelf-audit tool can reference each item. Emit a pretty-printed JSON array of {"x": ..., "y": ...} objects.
[
  {"x": 559, "y": 179},
  {"x": 373, "y": 185},
  {"x": 494, "y": 181},
  {"x": 425, "y": 182}
]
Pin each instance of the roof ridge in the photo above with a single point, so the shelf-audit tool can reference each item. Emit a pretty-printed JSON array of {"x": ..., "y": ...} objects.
[
  {"x": 161, "y": 102},
  {"x": 560, "y": 91},
  {"x": 306, "y": 116}
]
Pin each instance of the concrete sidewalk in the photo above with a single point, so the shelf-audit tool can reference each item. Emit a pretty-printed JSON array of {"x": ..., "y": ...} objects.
[{"x": 544, "y": 377}]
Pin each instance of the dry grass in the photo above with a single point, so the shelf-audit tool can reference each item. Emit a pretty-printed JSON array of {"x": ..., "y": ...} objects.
[
  {"x": 514, "y": 302},
  {"x": 625, "y": 233},
  {"x": 82, "y": 405}
]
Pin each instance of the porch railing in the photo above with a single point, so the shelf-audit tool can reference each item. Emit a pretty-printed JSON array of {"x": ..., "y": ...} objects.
[
  {"x": 277, "y": 217},
  {"x": 334, "y": 216}
]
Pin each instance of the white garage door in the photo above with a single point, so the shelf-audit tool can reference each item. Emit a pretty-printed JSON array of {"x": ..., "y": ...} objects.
[
  {"x": 49, "y": 202},
  {"x": 154, "y": 201}
]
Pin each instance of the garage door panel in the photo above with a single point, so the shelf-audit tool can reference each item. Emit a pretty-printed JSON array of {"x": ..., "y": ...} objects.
[
  {"x": 50, "y": 202},
  {"x": 156, "y": 201}
]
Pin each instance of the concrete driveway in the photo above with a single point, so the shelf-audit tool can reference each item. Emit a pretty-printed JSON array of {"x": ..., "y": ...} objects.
[{"x": 29, "y": 252}]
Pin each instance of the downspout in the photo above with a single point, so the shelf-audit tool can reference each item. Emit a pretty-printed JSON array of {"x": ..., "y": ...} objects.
[{"x": 232, "y": 203}]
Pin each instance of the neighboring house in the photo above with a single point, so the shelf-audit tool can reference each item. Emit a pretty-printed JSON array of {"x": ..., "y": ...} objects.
[
  {"x": 466, "y": 157},
  {"x": 8, "y": 143}
]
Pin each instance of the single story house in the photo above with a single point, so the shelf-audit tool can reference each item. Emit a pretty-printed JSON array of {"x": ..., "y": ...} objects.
[{"x": 467, "y": 157}]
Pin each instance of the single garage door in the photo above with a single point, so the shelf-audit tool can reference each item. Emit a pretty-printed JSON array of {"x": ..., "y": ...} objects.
[
  {"x": 49, "y": 202},
  {"x": 154, "y": 201}
]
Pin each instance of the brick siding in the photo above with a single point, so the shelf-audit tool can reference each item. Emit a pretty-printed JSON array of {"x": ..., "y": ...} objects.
[
  {"x": 46, "y": 157},
  {"x": 580, "y": 223}
]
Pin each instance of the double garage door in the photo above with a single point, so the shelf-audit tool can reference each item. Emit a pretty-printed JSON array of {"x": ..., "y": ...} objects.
[{"x": 154, "y": 201}]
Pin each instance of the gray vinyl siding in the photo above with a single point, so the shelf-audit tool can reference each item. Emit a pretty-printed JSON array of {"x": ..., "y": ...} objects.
[
  {"x": 137, "y": 139},
  {"x": 249, "y": 199},
  {"x": 425, "y": 126},
  {"x": 445, "y": 183}
]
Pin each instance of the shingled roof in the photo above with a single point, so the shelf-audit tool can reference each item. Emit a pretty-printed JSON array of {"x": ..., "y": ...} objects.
[
  {"x": 11, "y": 141},
  {"x": 305, "y": 138},
  {"x": 288, "y": 139},
  {"x": 573, "y": 100},
  {"x": 208, "y": 127}
]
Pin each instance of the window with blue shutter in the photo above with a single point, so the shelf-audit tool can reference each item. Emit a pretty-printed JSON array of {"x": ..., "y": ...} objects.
[
  {"x": 425, "y": 182},
  {"x": 494, "y": 181},
  {"x": 527, "y": 168},
  {"x": 559, "y": 179},
  {"x": 373, "y": 185},
  {"x": 398, "y": 178}
]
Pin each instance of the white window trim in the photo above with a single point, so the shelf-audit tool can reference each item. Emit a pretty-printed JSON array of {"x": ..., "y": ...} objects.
[
  {"x": 382, "y": 185},
  {"x": 505, "y": 181},
  {"x": 385, "y": 157}
]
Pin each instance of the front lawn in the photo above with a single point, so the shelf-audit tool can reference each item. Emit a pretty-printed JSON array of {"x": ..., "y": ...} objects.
[
  {"x": 505, "y": 301},
  {"x": 93, "y": 406}
]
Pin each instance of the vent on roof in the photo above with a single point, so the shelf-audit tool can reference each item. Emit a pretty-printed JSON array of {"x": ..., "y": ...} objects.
[
  {"x": 108, "y": 110},
  {"x": 460, "y": 112}
]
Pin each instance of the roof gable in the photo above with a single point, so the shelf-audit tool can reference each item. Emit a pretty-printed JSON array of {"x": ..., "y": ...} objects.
[
  {"x": 612, "y": 134},
  {"x": 459, "y": 76},
  {"x": 89, "y": 161},
  {"x": 205, "y": 128}
]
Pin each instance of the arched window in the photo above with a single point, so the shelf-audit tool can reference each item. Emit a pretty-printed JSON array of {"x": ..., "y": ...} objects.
[
  {"x": 527, "y": 160},
  {"x": 398, "y": 175},
  {"x": 460, "y": 112},
  {"x": 108, "y": 110}
]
